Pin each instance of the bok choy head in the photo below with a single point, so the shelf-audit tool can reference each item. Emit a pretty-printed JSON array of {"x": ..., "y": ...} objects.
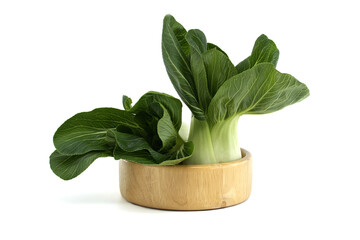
[
  {"x": 146, "y": 133},
  {"x": 218, "y": 92}
]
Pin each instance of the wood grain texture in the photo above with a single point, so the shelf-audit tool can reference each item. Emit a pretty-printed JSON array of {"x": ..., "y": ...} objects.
[{"x": 187, "y": 187}]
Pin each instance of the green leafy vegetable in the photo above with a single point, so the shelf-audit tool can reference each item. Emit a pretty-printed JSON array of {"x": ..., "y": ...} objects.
[
  {"x": 211, "y": 46},
  {"x": 70, "y": 166},
  {"x": 218, "y": 93},
  {"x": 175, "y": 49},
  {"x": 146, "y": 133},
  {"x": 87, "y": 132},
  {"x": 264, "y": 50},
  {"x": 260, "y": 90},
  {"x": 127, "y": 102},
  {"x": 197, "y": 42},
  {"x": 218, "y": 69}
]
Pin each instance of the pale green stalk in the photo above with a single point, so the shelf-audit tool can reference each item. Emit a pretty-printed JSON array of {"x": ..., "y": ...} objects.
[
  {"x": 203, "y": 148},
  {"x": 224, "y": 137},
  {"x": 214, "y": 144}
]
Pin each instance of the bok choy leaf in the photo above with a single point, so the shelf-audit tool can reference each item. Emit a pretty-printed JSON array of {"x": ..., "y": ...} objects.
[
  {"x": 145, "y": 133},
  {"x": 218, "y": 93}
]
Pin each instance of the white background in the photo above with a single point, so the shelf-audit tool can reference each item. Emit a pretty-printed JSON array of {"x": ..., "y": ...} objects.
[{"x": 58, "y": 58}]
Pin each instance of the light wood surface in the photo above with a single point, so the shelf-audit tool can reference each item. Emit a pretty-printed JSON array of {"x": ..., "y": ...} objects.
[{"x": 187, "y": 187}]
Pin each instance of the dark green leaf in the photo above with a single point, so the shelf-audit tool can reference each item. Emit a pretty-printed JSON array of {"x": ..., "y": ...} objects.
[
  {"x": 149, "y": 124},
  {"x": 179, "y": 32},
  {"x": 172, "y": 105},
  {"x": 244, "y": 65},
  {"x": 143, "y": 156},
  {"x": 86, "y": 131},
  {"x": 211, "y": 46},
  {"x": 126, "y": 102},
  {"x": 218, "y": 69},
  {"x": 197, "y": 40},
  {"x": 132, "y": 143},
  {"x": 260, "y": 90},
  {"x": 200, "y": 78},
  {"x": 68, "y": 167},
  {"x": 183, "y": 153},
  {"x": 178, "y": 66},
  {"x": 166, "y": 131},
  {"x": 264, "y": 51}
]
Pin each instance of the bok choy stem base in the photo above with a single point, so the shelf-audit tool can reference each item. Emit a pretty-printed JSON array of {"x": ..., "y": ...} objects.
[{"x": 214, "y": 144}]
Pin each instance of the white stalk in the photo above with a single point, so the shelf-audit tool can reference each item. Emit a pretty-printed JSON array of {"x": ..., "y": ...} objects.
[
  {"x": 225, "y": 141},
  {"x": 216, "y": 144},
  {"x": 203, "y": 149}
]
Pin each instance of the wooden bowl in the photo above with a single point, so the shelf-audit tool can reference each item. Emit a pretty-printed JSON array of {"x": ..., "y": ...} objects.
[{"x": 187, "y": 187}]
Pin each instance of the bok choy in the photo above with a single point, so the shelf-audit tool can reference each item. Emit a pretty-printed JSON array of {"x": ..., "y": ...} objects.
[
  {"x": 146, "y": 133},
  {"x": 218, "y": 92}
]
